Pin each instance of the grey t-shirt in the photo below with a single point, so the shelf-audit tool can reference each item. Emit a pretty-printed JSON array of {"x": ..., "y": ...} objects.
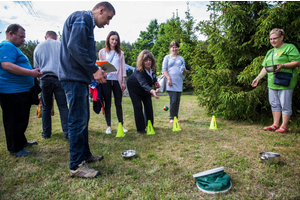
[
  {"x": 46, "y": 57},
  {"x": 173, "y": 66}
]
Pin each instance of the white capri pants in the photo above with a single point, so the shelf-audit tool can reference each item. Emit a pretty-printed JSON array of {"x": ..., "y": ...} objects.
[{"x": 281, "y": 100}]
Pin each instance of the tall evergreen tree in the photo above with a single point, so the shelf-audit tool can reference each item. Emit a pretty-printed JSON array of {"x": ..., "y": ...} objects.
[{"x": 238, "y": 39}]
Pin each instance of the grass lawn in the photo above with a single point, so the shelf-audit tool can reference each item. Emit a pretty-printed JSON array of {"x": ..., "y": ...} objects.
[{"x": 165, "y": 162}]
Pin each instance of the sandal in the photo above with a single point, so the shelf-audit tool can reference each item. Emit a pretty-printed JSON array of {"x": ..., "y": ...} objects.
[
  {"x": 273, "y": 127},
  {"x": 282, "y": 129}
]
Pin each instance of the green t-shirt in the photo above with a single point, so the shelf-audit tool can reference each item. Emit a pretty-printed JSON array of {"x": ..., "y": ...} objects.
[{"x": 285, "y": 54}]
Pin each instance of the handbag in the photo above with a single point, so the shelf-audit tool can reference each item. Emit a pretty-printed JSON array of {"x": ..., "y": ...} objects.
[
  {"x": 162, "y": 80},
  {"x": 282, "y": 78},
  {"x": 34, "y": 93}
]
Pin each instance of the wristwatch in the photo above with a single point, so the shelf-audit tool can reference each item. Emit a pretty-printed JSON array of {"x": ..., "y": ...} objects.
[{"x": 283, "y": 65}]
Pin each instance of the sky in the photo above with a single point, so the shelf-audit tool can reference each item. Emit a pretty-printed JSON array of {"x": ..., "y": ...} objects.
[{"x": 131, "y": 17}]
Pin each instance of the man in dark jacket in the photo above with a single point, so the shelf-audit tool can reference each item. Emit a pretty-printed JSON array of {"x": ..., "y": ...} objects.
[{"x": 78, "y": 68}]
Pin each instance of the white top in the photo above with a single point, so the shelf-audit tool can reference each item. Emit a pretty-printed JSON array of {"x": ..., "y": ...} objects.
[
  {"x": 114, "y": 61},
  {"x": 149, "y": 73}
]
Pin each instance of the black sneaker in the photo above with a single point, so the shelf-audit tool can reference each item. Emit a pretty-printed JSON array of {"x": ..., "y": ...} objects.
[
  {"x": 21, "y": 153},
  {"x": 142, "y": 132}
]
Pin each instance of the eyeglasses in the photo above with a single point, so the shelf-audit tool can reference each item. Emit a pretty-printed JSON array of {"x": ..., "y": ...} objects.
[
  {"x": 20, "y": 36},
  {"x": 274, "y": 38}
]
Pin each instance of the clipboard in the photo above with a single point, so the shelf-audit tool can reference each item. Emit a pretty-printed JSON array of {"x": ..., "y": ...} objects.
[{"x": 106, "y": 66}]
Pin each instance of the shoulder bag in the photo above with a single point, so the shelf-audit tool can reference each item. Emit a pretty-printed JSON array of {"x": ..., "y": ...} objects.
[
  {"x": 162, "y": 80},
  {"x": 282, "y": 78}
]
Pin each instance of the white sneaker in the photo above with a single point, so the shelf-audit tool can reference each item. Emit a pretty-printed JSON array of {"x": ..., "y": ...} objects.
[
  {"x": 125, "y": 130},
  {"x": 108, "y": 130}
]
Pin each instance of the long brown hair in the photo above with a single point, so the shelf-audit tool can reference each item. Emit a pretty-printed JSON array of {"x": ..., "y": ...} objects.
[
  {"x": 107, "y": 45},
  {"x": 142, "y": 57}
]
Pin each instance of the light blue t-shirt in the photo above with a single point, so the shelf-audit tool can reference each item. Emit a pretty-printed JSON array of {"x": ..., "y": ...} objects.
[
  {"x": 9, "y": 82},
  {"x": 173, "y": 66}
]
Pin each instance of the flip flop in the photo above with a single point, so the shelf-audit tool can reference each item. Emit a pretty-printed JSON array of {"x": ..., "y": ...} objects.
[
  {"x": 282, "y": 129},
  {"x": 273, "y": 127}
]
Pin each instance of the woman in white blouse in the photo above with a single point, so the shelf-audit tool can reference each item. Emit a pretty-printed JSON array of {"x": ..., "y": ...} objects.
[{"x": 115, "y": 80}]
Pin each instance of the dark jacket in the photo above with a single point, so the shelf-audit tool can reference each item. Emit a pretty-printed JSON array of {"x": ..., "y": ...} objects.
[
  {"x": 78, "y": 51},
  {"x": 141, "y": 82}
]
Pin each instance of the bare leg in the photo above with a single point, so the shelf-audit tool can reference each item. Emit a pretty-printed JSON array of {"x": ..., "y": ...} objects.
[
  {"x": 276, "y": 117},
  {"x": 285, "y": 120}
]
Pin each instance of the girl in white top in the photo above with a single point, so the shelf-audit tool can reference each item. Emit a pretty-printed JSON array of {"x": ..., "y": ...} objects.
[{"x": 115, "y": 80}]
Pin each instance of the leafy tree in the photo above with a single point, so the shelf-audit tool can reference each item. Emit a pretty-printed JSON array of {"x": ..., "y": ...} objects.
[
  {"x": 27, "y": 48},
  {"x": 127, "y": 48},
  {"x": 99, "y": 45},
  {"x": 169, "y": 31},
  {"x": 146, "y": 40}
]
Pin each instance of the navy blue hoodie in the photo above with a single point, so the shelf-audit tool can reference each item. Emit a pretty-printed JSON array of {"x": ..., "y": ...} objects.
[{"x": 78, "y": 50}]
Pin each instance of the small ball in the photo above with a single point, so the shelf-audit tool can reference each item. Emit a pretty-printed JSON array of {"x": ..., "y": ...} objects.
[{"x": 166, "y": 108}]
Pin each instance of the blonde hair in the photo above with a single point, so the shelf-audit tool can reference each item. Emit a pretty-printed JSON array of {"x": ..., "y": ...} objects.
[
  {"x": 144, "y": 55},
  {"x": 279, "y": 32}
]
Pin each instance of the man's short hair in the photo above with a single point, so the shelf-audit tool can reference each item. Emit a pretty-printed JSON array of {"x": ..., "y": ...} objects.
[
  {"x": 14, "y": 28},
  {"x": 51, "y": 34},
  {"x": 106, "y": 5}
]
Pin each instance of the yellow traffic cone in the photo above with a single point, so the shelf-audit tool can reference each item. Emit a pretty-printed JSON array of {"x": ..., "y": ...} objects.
[
  {"x": 150, "y": 130},
  {"x": 213, "y": 123},
  {"x": 176, "y": 126},
  {"x": 120, "y": 132}
]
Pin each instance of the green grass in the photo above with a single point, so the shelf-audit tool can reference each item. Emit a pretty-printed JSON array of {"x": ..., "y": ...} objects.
[{"x": 165, "y": 162}]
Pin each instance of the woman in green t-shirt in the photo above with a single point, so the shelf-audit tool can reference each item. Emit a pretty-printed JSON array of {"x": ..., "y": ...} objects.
[{"x": 287, "y": 58}]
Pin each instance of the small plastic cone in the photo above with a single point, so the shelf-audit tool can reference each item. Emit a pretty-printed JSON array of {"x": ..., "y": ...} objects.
[
  {"x": 150, "y": 130},
  {"x": 120, "y": 132},
  {"x": 176, "y": 126},
  {"x": 213, "y": 123}
]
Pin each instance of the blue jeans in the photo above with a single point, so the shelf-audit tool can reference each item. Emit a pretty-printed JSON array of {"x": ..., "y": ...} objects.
[
  {"x": 79, "y": 114},
  {"x": 50, "y": 86}
]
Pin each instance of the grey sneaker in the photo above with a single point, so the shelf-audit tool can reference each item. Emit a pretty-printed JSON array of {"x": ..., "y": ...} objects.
[
  {"x": 84, "y": 171},
  {"x": 94, "y": 158}
]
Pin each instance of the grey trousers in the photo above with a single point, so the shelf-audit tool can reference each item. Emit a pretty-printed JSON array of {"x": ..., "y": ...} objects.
[{"x": 174, "y": 104}]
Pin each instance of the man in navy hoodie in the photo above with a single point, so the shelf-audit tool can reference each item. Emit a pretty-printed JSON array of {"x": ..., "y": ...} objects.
[{"x": 77, "y": 70}]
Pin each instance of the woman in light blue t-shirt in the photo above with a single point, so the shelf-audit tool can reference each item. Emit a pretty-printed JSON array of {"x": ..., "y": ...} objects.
[{"x": 174, "y": 68}]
